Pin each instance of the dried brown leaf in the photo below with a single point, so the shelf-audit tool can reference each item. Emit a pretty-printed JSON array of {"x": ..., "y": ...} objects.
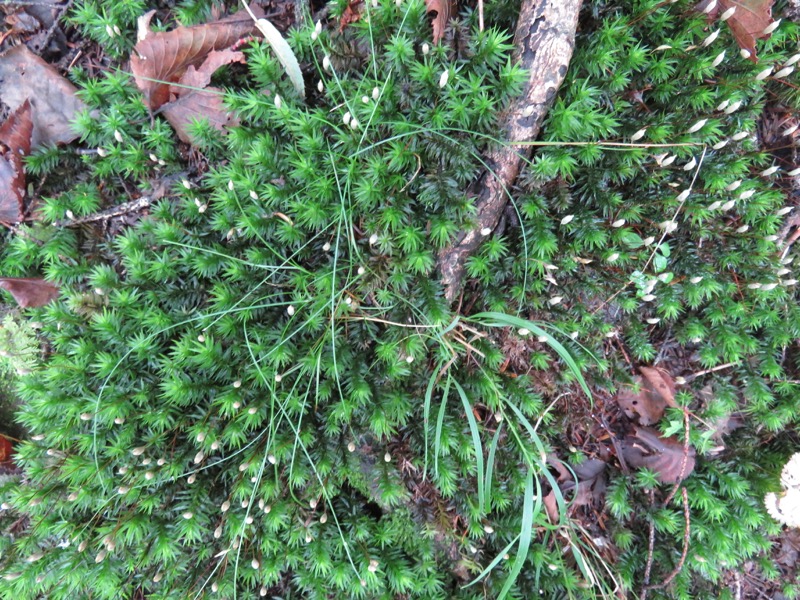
[
  {"x": 203, "y": 104},
  {"x": 646, "y": 448},
  {"x": 351, "y": 14},
  {"x": 439, "y": 11},
  {"x": 748, "y": 21},
  {"x": 29, "y": 291},
  {"x": 15, "y": 143},
  {"x": 162, "y": 58},
  {"x": 649, "y": 398},
  {"x": 25, "y": 76}
]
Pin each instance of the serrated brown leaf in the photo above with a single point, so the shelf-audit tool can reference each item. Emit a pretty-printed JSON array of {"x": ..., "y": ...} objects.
[
  {"x": 162, "y": 58},
  {"x": 54, "y": 104},
  {"x": 15, "y": 144},
  {"x": 748, "y": 21},
  {"x": 30, "y": 292},
  {"x": 439, "y": 11},
  {"x": 646, "y": 448}
]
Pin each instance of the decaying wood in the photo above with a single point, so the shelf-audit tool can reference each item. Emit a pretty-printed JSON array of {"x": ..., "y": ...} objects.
[{"x": 544, "y": 41}]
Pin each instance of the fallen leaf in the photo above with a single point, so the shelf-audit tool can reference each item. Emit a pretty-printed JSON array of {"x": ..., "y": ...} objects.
[
  {"x": 54, "y": 104},
  {"x": 590, "y": 484},
  {"x": 20, "y": 23},
  {"x": 649, "y": 398},
  {"x": 748, "y": 21},
  {"x": 15, "y": 143},
  {"x": 161, "y": 59},
  {"x": 29, "y": 292},
  {"x": 351, "y": 14},
  {"x": 202, "y": 104},
  {"x": 439, "y": 11},
  {"x": 646, "y": 448},
  {"x": 6, "y": 449}
]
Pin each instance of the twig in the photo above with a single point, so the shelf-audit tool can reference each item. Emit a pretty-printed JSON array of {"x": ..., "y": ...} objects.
[
  {"x": 114, "y": 211},
  {"x": 62, "y": 8},
  {"x": 684, "y": 460},
  {"x": 650, "y": 546},
  {"x": 694, "y": 376},
  {"x": 544, "y": 41},
  {"x": 32, "y": 3},
  {"x": 685, "y": 552}
]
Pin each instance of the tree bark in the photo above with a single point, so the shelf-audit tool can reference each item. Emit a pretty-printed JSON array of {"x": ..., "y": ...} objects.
[{"x": 544, "y": 41}]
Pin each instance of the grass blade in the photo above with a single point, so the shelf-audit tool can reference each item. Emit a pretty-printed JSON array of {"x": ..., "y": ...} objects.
[
  {"x": 476, "y": 442},
  {"x": 490, "y": 469}
]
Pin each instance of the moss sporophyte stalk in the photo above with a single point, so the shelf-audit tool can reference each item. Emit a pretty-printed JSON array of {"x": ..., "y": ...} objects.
[{"x": 255, "y": 384}]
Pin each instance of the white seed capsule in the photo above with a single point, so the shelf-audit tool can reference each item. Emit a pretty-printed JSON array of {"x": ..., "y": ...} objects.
[
  {"x": 376, "y": 93},
  {"x": 648, "y": 298},
  {"x": 728, "y": 205},
  {"x": 737, "y": 137},
  {"x": 198, "y": 458},
  {"x": 784, "y": 72},
  {"x": 443, "y": 78},
  {"x": 486, "y": 231},
  {"x": 690, "y": 165},
  {"x": 323, "y": 519},
  {"x": 638, "y": 135},
  {"x": 618, "y": 223},
  {"x": 255, "y": 564},
  {"x": 426, "y": 49},
  {"x": 188, "y": 515},
  {"x": 663, "y": 47},
  {"x": 697, "y": 126},
  {"x": 742, "y": 229},
  {"x": 149, "y": 475},
  {"x": 100, "y": 556},
  {"x": 365, "y": 99},
  {"x": 555, "y": 300},
  {"x": 320, "y": 86},
  {"x": 718, "y": 61},
  {"x": 763, "y": 74},
  {"x": 648, "y": 240},
  {"x": 669, "y": 160},
  {"x": 769, "y": 286},
  {"x": 326, "y": 63},
  {"x": 271, "y": 458},
  {"x": 719, "y": 145},
  {"x": 696, "y": 279},
  {"x": 746, "y": 194},
  {"x": 782, "y": 271},
  {"x": 346, "y": 118},
  {"x": 567, "y": 219},
  {"x": 653, "y": 321},
  {"x": 785, "y": 211},
  {"x": 613, "y": 257},
  {"x": 191, "y": 479},
  {"x": 789, "y": 282},
  {"x": 138, "y": 451},
  {"x": 710, "y": 39},
  {"x": 373, "y": 239},
  {"x": 683, "y": 195},
  {"x": 351, "y": 447},
  {"x": 727, "y": 14},
  {"x": 771, "y": 27},
  {"x": 354, "y": 124},
  {"x": 714, "y": 205},
  {"x": 733, "y": 107},
  {"x": 218, "y": 532},
  {"x": 710, "y": 6},
  {"x": 771, "y": 171},
  {"x": 732, "y": 186},
  {"x": 790, "y": 130},
  {"x": 410, "y": 359},
  {"x": 794, "y": 172},
  {"x": 745, "y": 53},
  {"x": 387, "y": 457}
]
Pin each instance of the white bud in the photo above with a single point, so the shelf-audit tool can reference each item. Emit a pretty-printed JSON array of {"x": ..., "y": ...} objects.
[
  {"x": 250, "y": 519},
  {"x": 618, "y": 223},
  {"x": 119, "y": 420},
  {"x": 794, "y": 172},
  {"x": 237, "y": 405},
  {"x": 785, "y": 211},
  {"x": 763, "y": 74},
  {"x": 158, "y": 577},
  {"x": 696, "y": 279},
  {"x": 683, "y": 195},
  {"x": 648, "y": 240},
  {"x": 718, "y": 61},
  {"x": 230, "y": 184},
  {"x": 727, "y": 14},
  {"x": 697, "y": 126},
  {"x": 409, "y": 359},
  {"x": 86, "y": 416},
  {"x": 326, "y": 247},
  {"x": 188, "y": 515},
  {"x": 214, "y": 445},
  {"x": 541, "y": 339},
  {"x": 326, "y": 62},
  {"x": 191, "y": 479},
  {"x": 443, "y": 78},
  {"x": 346, "y": 118},
  {"x": 118, "y": 136},
  {"x": 387, "y": 457},
  {"x": 486, "y": 231},
  {"x": 648, "y": 298},
  {"x": 278, "y": 378},
  {"x": 83, "y": 545},
  {"x": 244, "y": 467},
  {"x": 320, "y": 86},
  {"x": 719, "y": 145},
  {"x": 365, "y": 99},
  {"x": 123, "y": 489},
  {"x": 653, "y": 321},
  {"x": 198, "y": 458},
  {"x": 138, "y": 451},
  {"x": 555, "y": 300},
  {"x": 771, "y": 27},
  {"x": 567, "y": 219},
  {"x": 669, "y": 160},
  {"x": 323, "y": 519},
  {"x": 745, "y": 53},
  {"x": 737, "y": 137},
  {"x": 100, "y": 556},
  {"x": 99, "y": 291},
  {"x": 613, "y": 257},
  {"x": 354, "y": 124},
  {"x": 110, "y": 31},
  {"x": 218, "y": 532},
  {"x": 201, "y": 437},
  {"x": 690, "y": 165},
  {"x": 710, "y": 6},
  {"x": 722, "y": 105},
  {"x": 728, "y": 205},
  {"x": 290, "y": 310},
  {"x": 638, "y": 135},
  {"x": 789, "y": 282},
  {"x": 351, "y": 447},
  {"x": 376, "y": 93},
  {"x": 255, "y": 564},
  {"x": 783, "y": 271},
  {"x": 214, "y": 587},
  {"x": 262, "y": 592},
  {"x": 784, "y": 72},
  {"x": 426, "y": 49},
  {"x": 733, "y": 107},
  {"x": 361, "y": 270},
  {"x": 574, "y": 335},
  {"x": 271, "y": 458},
  {"x": 742, "y": 229},
  {"x": 252, "y": 410},
  {"x": 663, "y": 47},
  {"x": 753, "y": 286},
  {"x": 149, "y": 475},
  {"x": 318, "y": 27},
  {"x": 710, "y": 39},
  {"x": 117, "y": 30},
  {"x": 769, "y": 286},
  {"x": 278, "y": 101},
  {"x": 746, "y": 194},
  {"x": 373, "y": 239}
]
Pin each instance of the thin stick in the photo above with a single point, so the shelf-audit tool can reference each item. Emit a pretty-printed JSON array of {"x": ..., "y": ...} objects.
[
  {"x": 684, "y": 459},
  {"x": 707, "y": 371},
  {"x": 686, "y": 535},
  {"x": 480, "y": 15},
  {"x": 114, "y": 211},
  {"x": 650, "y": 545}
]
